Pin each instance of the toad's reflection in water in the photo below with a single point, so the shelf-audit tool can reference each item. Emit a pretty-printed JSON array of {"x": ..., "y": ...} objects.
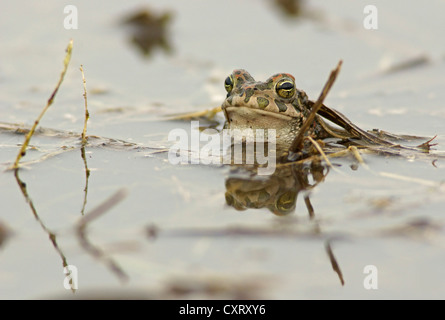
[
  {"x": 277, "y": 192},
  {"x": 245, "y": 189}
]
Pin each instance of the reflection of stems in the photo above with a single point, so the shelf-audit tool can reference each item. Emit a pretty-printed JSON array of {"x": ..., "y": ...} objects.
[
  {"x": 303, "y": 181},
  {"x": 85, "y": 242},
  {"x": 310, "y": 208},
  {"x": 51, "y": 235},
  {"x": 334, "y": 263},
  {"x": 87, "y": 175}
]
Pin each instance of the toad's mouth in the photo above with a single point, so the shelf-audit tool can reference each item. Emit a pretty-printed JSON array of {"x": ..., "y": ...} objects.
[
  {"x": 243, "y": 117},
  {"x": 249, "y": 118},
  {"x": 251, "y": 114}
]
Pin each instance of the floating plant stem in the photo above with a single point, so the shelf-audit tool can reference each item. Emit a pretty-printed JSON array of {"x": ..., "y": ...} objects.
[
  {"x": 297, "y": 144},
  {"x": 87, "y": 114},
  {"x": 66, "y": 62},
  {"x": 84, "y": 141}
]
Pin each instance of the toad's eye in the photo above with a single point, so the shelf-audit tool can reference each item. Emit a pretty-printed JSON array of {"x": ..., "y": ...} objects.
[
  {"x": 228, "y": 84},
  {"x": 286, "y": 202},
  {"x": 285, "y": 88}
]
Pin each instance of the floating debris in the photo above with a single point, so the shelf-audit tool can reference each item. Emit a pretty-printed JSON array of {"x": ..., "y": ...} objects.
[
  {"x": 148, "y": 31},
  {"x": 5, "y": 234}
]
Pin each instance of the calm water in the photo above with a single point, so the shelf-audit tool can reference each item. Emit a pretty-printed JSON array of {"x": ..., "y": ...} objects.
[{"x": 172, "y": 230}]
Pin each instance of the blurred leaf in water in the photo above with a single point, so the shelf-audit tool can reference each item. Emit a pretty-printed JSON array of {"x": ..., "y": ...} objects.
[
  {"x": 406, "y": 65},
  {"x": 148, "y": 31},
  {"x": 5, "y": 234},
  {"x": 216, "y": 287},
  {"x": 421, "y": 228},
  {"x": 297, "y": 10},
  {"x": 203, "y": 286},
  {"x": 291, "y": 8}
]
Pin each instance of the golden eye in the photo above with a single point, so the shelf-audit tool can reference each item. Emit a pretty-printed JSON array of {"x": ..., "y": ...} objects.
[
  {"x": 285, "y": 88},
  {"x": 286, "y": 202},
  {"x": 228, "y": 83}
]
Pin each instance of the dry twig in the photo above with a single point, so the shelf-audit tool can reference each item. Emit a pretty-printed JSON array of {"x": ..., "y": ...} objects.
[{"x": 297, "y": 144}]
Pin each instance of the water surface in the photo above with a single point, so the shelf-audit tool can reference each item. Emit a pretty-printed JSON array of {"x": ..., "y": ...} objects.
[{"x": 173, "y": 233}]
